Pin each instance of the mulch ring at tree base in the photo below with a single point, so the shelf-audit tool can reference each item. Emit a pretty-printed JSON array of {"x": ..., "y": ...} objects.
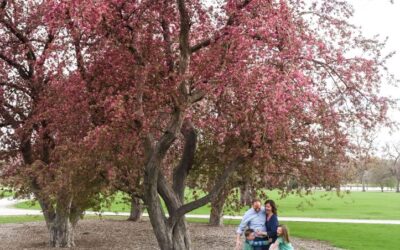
[{"x": 118, "y": 234}]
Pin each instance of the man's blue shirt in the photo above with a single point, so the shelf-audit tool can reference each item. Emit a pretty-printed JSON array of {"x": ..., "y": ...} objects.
[{"x": 253, "y": 220}]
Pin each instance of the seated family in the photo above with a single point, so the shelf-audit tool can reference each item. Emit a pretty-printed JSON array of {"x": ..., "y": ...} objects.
[{"x": 262, "y": 230}]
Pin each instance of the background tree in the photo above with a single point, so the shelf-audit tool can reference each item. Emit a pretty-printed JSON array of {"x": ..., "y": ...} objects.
[
  {"x": 380, "y": 173},
  {"x": 393, "y": 154},
  {"x": 364, "y": 156}
]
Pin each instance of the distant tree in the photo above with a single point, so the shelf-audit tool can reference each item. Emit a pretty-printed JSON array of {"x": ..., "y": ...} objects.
[
  {"x": 393, "y": 154},
  {"x": 380, "y": 173},
  {"x": 363, "y": 158}
]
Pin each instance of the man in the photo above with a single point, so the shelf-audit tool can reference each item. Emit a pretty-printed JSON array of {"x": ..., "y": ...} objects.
[{"x": 255, "y": 219}]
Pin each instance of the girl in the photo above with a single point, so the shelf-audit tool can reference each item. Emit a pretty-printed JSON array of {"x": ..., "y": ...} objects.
[{"x": 283, "y": 241}]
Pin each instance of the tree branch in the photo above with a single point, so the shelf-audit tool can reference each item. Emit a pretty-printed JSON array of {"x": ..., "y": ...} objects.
[
  {"x": 184, "y": 45},
  {"x": 30, "y": 55},
  {"x": 167, "y": 194},
  {"x": 206, "y": 42},
  {"x": 15, "y": 86},
  {"x": 21, "y": 70},
  {"x": 174, "y": 218},
  {"x": 16, "y": 110},
  {"x": 186, "y": 163}
]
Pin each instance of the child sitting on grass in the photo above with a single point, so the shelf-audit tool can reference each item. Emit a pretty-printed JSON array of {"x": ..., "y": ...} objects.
[
  {"x": 250, "y": 243},
  {"x": 283, "y": 241}
]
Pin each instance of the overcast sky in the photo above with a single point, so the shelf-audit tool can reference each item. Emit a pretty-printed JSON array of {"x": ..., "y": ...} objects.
[{"x": 383, "y": 18}]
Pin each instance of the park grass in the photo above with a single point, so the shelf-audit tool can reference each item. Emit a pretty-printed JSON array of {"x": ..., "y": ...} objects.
[
  {"x": 346, "y": 236},
  {"x": 341, "y": 235},
  {"x": 321, "y": 204},
  {"x": 349, "y": 236},
  {"x": 32, "y": 218},
  {"x": 20, "y": 218}
]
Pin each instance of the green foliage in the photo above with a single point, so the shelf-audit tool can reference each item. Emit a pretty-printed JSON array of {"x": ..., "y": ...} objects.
[{"x": 6, "y": 192}]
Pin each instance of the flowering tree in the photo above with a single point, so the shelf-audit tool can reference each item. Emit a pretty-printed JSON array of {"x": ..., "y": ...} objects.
[
  {"x": 271, "y": 85},
  {"x": 44, "y": 118}
]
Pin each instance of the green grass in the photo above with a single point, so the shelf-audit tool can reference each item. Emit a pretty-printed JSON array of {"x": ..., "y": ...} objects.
[
  {"x": 356, "y": 205},
  {"x": 20, "y": 218},
  {"x": 350, "y": 236},
  {"x": 32, "y": 218},
  {"x": 347, "y": 236}
]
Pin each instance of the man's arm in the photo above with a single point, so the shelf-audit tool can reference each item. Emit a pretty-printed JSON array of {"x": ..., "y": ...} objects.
[
  {"x": 238, "y": 241},
  {"x": 243, "y": 224}
]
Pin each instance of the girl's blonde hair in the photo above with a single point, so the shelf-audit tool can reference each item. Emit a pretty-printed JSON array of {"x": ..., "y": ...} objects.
[{"x": 285, "y": 233}]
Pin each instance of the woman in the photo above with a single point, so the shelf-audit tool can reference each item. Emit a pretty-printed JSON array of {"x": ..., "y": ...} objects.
[{"x": 272, "y": 221}]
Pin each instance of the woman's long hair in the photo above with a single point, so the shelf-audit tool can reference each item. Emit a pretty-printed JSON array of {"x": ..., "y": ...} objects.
[
  {"x": 285, "y": 233},
  {"x": 273, "y": 205}
]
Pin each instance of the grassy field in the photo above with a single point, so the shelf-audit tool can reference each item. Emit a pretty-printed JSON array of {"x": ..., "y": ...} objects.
[
  {"x": 347, "y": 236},
  {"x": 20, "y": 218},
  {"x": 350, "y": 236},
  {"x": 356, "y": 205},
  {"x": 32, "y": 218}
]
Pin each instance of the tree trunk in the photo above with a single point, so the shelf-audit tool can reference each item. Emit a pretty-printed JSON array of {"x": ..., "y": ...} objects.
[
  {"x": 180, "y": 236},
  {"x": 171, "y": 233},
  {"x": 217, "y": 208},
  {"x": 136, "y": 209},
  {"x": 363, "y": 183},
  {"x": 61, "y": 227},
  {"x": 398, "y": 186},
  {"x": 61, "y": 232},
  {"x": 217, "y": 213},
  {"x": 245, "y": 194}
]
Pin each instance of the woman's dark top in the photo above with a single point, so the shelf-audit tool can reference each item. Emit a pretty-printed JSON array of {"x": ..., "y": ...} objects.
[{"x": 272, "y": 226}]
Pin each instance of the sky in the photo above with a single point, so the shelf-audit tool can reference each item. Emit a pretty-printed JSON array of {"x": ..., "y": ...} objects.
[{"x": 380, "y": 17}]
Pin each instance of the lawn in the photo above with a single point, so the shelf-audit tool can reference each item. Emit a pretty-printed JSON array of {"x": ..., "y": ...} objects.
[
  {"x": 356, "y": 205},
  {"x": 20, "y": 218},
  {"x": 31, "y": 218},
  {"x": 347, "y": 236}
]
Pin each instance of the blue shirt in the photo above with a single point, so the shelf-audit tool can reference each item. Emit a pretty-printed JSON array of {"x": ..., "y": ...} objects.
[
  {"x": 253, "y": 220},
  {"x": 272, "y": 226}
]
